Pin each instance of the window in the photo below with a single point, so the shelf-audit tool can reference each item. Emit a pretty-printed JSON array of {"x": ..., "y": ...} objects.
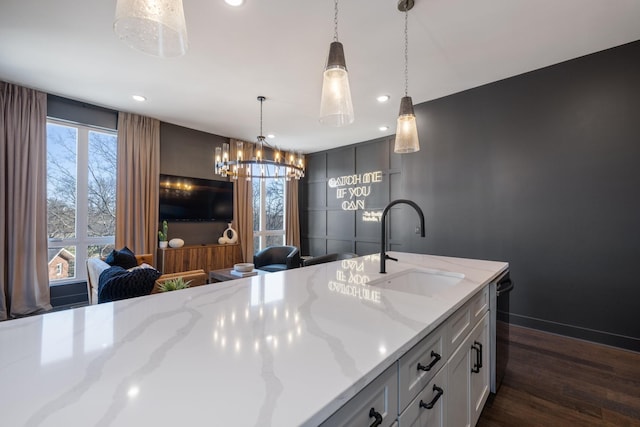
[
  {"x": 81, "y": 196},
  {"x": 268, "y": 212}
]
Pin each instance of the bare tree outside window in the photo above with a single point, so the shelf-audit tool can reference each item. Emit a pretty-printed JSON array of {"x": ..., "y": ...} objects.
[
  {"x": 81, "y": 186},
  {"x": 268, "y": 212}
]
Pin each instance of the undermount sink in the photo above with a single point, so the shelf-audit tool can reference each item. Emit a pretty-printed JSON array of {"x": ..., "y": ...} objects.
[{"x": 420, "y": 282}]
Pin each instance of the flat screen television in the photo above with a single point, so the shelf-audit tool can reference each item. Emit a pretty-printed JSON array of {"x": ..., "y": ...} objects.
[{"x": 195, "y": 199}]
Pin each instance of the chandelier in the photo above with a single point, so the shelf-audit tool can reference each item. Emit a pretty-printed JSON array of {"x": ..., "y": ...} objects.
[{"x": 265, "y": 161}]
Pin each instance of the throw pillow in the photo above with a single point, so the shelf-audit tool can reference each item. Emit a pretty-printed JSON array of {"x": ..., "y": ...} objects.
[
  {"x": 124, "y": 258},
  {"x": 116, "y": 283}
]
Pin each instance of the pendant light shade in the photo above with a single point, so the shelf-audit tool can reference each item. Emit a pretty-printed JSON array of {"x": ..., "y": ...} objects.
[
  {"x": 336, "y": 108},
  {"x": 155, "y": 27},
  {"x": 406, "y": 129}
]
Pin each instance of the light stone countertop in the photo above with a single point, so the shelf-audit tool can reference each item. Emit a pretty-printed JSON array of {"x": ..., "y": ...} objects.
[{"x": 282, "y": 349}]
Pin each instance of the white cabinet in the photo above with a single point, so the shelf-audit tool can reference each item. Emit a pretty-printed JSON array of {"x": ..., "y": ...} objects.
[
  {"x": 468, "y": 370},
  {"x": 429, "y": 406},
  {"x": 376, "y": 404},
  {"x": 442, "y": 381},
  {"x": 480, "y": 378},
  {"x": 420, "y": 364}
]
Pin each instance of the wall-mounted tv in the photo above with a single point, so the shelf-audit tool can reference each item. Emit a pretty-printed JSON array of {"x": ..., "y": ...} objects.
[{"x": 195, "y": 199}]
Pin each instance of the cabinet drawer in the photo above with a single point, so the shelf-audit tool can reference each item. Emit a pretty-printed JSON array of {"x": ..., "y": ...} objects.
[
  {"x": 420, "y": 364},
  {"x": 428, "y": 408},
  {"x": 480, "y": 305},
  {"x": 462, "y": 321},
  {"x": 381, "y": 396}
]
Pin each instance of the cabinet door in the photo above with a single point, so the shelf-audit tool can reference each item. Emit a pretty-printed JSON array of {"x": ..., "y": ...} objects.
[
  {"x": 420, "y": 364},
  {"x": 458, "y": 399},
  {"x": 469, "y": 377},
  {"x": 428, "y": 409},
  {"x": 479, "y": 342},
  {"x": 376, "y": 404}
]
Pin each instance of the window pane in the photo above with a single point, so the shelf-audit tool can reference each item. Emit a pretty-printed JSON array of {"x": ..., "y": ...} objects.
[
  {"x": 101, "y": 185},
  {"x": 275, "y": 240},
  {"x": 100, "y": 251},
  {"x": 256, "y": 204},
  {"x": 256, "y": 244},
  {"x": 274, "y": 200},
  {"x": 62, "y": 151},
  {"x": 62, "y": 263}
]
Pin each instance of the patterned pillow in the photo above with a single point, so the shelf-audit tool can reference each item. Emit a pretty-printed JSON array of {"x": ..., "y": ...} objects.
[
  {"x": 124, "y": 258},
  {"x": 116, "y": 283}
]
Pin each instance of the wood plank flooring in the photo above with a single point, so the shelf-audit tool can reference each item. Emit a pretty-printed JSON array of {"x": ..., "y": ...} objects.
[{"x": 558, "y": 381}]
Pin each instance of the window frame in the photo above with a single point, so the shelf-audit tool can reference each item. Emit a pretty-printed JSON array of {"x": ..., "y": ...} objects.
[
  {"x": 262, "y": 234},
  {"x": 81, "y": 240}
]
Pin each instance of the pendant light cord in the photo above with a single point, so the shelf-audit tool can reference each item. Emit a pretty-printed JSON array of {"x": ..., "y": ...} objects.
[
  {"x": 335, "y": 21},
  {"x": 406, "y": 53},
  {"x": 261, "y": 101}
]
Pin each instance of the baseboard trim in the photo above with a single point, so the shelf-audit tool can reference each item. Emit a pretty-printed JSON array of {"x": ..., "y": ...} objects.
[{"x": 601, "y": 337}]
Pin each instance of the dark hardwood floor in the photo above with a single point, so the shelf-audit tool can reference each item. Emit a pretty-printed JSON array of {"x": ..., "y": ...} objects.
[{"x": 557, "y": 381}]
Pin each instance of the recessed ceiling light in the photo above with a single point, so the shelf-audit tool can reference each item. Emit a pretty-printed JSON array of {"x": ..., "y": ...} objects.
[
  {"x": 139, "y": 98},
  {"x": 234, "y": 2},
  {"x": 383, "y": 98},
  {"x": 271, "y": 136},
  {"x": 383, "y": 128}
]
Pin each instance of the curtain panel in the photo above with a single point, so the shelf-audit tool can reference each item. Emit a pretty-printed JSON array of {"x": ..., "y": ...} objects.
[
  {"x": 24, "y": 282},
  {"x": 243, "y": 203},
  {"x": 292, "y": 214},
  {"x": 138, "y": 182}
]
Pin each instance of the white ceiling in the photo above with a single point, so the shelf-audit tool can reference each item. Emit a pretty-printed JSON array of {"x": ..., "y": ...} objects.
[{"x": 278, "y": 48}]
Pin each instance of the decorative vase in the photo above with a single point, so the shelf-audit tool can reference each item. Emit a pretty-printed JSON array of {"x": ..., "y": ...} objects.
[
  {"x": 230, "y": 235},
  {"x": 163, "y": 244}
]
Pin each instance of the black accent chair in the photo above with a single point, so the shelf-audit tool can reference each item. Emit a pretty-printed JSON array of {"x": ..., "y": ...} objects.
[{"x": 277, "y": 258}]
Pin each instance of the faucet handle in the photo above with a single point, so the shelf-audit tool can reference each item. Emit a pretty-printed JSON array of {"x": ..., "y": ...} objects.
[{"x": 386, "y": 256}]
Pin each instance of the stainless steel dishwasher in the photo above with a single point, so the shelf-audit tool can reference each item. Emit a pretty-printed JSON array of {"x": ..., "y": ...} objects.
[{"x": 499, "y": 307}]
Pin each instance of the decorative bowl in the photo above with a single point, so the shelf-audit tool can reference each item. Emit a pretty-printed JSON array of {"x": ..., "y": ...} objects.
[
  {"x": 243, "y": 267},
  {"x": 176, "y": 243}
]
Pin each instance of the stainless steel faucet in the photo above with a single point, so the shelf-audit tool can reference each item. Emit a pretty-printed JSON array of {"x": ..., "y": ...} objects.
[{"x": 383, "y": 240}]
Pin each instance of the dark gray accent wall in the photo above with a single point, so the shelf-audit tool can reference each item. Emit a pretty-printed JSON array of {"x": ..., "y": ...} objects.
[
  {"x": 189, "y": 152},
  {"x": 328, "y": 221},
  {"x": 540, "y": 170}
]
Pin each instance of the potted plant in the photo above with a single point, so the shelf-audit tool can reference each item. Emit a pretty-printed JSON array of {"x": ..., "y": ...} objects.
[
  {"x": 162, "y": 235},
  {"x": 173, "y": 284}
]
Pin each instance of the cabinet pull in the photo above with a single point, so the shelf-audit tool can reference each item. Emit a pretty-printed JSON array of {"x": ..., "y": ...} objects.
[
  {"x": 478, "y": 348},
  {"x": 377, "y": 416},
  {"x": 431, "y": 404},
  {"x": 436, "y": 357}
]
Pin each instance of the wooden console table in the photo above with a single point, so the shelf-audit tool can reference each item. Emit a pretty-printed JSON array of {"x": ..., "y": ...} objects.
[{"x": 205, "y": 257}]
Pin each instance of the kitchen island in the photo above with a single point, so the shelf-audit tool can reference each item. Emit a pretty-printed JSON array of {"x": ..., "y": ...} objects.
[{"x": 282, "y": 349}]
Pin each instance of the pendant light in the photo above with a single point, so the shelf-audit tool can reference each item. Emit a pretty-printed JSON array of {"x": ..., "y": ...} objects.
[
  {"x": 406, "y": 129},
  {"x": 336, "y": 108},
  {"x": 155, "y": 27},
  {"x": 267, "y": 161}
]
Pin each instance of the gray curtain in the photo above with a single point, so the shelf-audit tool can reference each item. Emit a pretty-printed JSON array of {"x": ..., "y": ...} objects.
[
  {"x": 24, "y": 282},
  {"x": 138, "y": 182}
]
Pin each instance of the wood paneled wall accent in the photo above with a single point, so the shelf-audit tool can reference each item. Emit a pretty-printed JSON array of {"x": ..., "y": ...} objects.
[
  {"x": 189, "y": 152},
  {"x": 205, "y": 257},
  {"x": 540, "y": 170},
  {"x": 330, "y": 221}
]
